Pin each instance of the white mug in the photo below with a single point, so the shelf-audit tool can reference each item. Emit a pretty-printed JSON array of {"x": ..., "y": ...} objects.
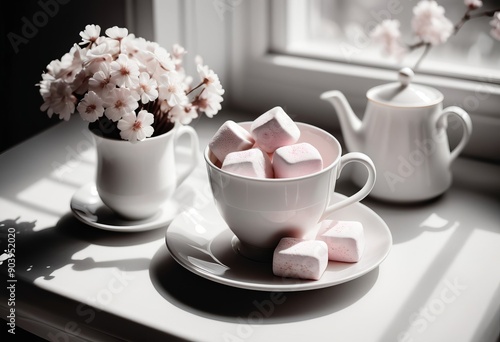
[
  {"x": 262, "y": 211},
  {"x": 136, "y": 179}
]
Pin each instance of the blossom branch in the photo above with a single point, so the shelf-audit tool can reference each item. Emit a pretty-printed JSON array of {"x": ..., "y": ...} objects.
[
  {"x": 466, "y": 17},
  {"x": 431, "y": 27}
]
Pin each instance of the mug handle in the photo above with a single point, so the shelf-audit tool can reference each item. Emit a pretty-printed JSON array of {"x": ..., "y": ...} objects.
[
  {"x": 466, "y": 123},
  {"x": 194, "y": 146},
  {"x": 364, "y": 191}
]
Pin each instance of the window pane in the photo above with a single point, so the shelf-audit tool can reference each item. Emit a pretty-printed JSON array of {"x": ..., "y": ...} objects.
[{"x": 339, "y": 30}]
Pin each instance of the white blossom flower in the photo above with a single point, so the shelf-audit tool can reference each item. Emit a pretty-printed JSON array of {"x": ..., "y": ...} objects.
[
  {"x": 100, "y": 52},
  {"x": 69, "y": 65},
  {"x": 178, "y": 53},
  {"x": 119, "y": 102},
  {"x": 90, "y": 34},
  {"x": 473, "y": 4},
  {"x": 59, "y": 99},
  {"x": 124, "y": 72},
  {"x": 112, "y": 46},
  {"x": 171, "y": 89},
  {"x": 387, "y": 33},
  {"x": 163, "y": 57},
  {"x": 91, "y": 107},
  {"x": 136, "y": 128},
  {"x": 44, "y": 84},
  {"x": 430, "y": 24},
  {"x": 209, "y": 103},
  {"x": 117, "y": 33},
  {"x": 495, "y": 24},
  {"x": 101, "y": 82},
  {"x": 134, "y": 47},
  {"x": 147, "y": 88},
  {"x": 183, "y": 114},
  {"x": 210, "y": 80}
]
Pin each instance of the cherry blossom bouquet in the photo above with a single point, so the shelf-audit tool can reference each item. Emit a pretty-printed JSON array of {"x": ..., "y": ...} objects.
[
  {"x": 431, "y": 27},
  {"x": 127, "y": 87}
]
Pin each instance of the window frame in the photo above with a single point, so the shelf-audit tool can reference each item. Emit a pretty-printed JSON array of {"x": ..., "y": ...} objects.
[{"x": 262, "y": 78}]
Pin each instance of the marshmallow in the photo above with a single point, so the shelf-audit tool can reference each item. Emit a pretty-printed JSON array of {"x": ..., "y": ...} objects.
[
  {"x": 345, "y": 239},
  {"x": 230, "y": 137},
  {"x": 252, "y": 163},
  {"x": 298, "y": 258},
  {"x": 274, "y": 129},
  {"x": 296, "y": 160}
]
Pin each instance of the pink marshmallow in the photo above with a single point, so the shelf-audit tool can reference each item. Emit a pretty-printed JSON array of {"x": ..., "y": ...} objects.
[
  {"x": 298, "y": 258},
  {"x": 230, "y": 137},
  {"x": 274, "y": 129},
  {"x": 296, "y": 160},
  {"x": 251, "y": 163},
  {"x": 345, "y": 239}
]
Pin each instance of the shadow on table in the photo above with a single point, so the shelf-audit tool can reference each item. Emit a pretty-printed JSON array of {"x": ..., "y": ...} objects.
[
  {"x": 40, "y": 253},
  {"x": 217, "y": 301},
  {"x": 469, "y": 207}
]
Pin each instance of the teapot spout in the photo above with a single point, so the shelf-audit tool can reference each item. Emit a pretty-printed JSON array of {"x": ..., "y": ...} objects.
[{"x": 349, "y": 122}]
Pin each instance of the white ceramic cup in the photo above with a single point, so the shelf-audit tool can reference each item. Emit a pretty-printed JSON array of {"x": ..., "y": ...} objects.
[
  {"x": 136, "y": 179},
  {"x": 262, "y": 211}
]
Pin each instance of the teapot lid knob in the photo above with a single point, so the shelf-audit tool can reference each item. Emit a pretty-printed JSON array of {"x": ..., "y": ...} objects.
[{"x": 405, "y": 76}]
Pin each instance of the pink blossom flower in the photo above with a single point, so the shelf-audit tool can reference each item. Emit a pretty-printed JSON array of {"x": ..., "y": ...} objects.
[
  {"x": 101, "y": 82},
  {"x": 210, "y": 80},
  {"x": 119, "y": 102},
  {"x": 147, "y": 88},
  {"x": 136, "y": 128},
  {"x": 91, "y": 107},
  {"x": 117, "y": 33},
  {"x": 495, "y": 24},
  {"x": 183, "y": 114},
  {"x": 178, "y": 53},
  {"x": 209, "y": 103},
  {"x": 59, "y": 99},
  {"x": 430, "y": 24},
  {"x": 90, "y": 34},
  {"x": 69, "y": 65},
  {"x": 124, "y": 72},
  {"x": 473, "y": 4},
  {"x": 387, "y": 33},
  {"x": 171, "y": 89}
]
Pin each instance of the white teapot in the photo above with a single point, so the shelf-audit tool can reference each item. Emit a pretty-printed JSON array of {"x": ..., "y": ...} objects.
[{"x": 404, "y": 132}]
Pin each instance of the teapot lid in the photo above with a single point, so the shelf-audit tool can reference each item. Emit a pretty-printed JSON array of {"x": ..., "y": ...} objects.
[{"x": 405, "y": 94}]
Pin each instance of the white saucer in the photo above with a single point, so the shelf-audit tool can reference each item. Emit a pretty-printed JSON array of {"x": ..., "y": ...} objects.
[
  {"x": 88, "y": 208},
  {"x": 201, "y": 241}
]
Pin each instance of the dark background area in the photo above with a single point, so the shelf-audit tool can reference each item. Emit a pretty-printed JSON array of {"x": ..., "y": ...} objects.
[{"x": 35, "y": 33}]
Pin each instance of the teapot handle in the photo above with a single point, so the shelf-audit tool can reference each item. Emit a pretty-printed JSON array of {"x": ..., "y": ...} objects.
[{"x": 466, "y": 123}]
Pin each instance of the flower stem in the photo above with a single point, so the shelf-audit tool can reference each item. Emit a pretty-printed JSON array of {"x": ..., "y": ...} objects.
[
  {"x": 199, "y": 85},
  {"x": 426, "y": 51}
]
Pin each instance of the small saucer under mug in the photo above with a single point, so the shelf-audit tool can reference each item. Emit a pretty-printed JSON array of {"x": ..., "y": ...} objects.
[
  {"x": 201, "y": 241},
  {"x": 88, "y": 208}
]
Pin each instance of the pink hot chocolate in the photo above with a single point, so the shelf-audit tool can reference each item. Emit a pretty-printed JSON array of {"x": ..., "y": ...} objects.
[
  {"x": 345, "y": 239},
  {"x": 298, "y": 258},
  {"x": 230, "y": 137},
  {"x": 251, "y": 163},
  {"x": 296, "y": 160},
  {"x": 274, "y": 129}
]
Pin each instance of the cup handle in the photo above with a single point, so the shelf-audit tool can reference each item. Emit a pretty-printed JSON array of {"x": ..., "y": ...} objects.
[
  {"x": 466, "y": 123},
  {"x": 364, "y": 191},
  {"x": 194, "y": 146}
]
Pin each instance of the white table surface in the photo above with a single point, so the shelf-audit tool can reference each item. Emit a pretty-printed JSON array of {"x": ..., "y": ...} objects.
[{"x": 440, "y": 282}]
